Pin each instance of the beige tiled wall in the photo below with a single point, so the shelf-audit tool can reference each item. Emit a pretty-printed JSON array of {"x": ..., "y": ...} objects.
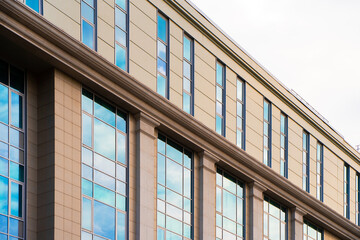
[
  {"x": 330, "y": 236},
  {"x": 106, "y": 29},
  {"x": 275, "y": 151},
  {"x": 295, "y": 153},
  {"x": 231, "y": 105},
  {"x": 312, "y": 162},
  {"x": 352, "y": 194}
]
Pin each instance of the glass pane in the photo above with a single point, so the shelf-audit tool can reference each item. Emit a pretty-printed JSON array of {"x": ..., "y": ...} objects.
[
  {"x": 274, "y": 226},
  {"x": 104, "y": 195},
  {"x": 187, "y": 70},
  {"x": 161, "y": 85},
  {"x": 187, "y": 158},
  {"x": 240, "y": 213},
  {"x": 229, "y": 225},
  {"x": 104, "y": 139},
  {"x": 187, "y": 48},
  {"x": 121, "y": 3},
  {"x": 4, "y": 189},
  {"x": 86, "y": 236},
  {"x": 17, "y": 78},
  {"x": 16, "y": 227},
  {"x": 120, "y": 57},
  {"x": 219, "y": 94},
  {"x": 16, "y": 138},
  {"x": 187, "y": 103},
  {"x": 174, "y": 151},
  {"x": 187, "y": 182},
  {"x": 121, "y": 148},
  {"x": 219, "y": 108},
  {"x": 173, "y": 225},
  {"x": 86, "y": 214},
  {"x": 87, "y": 12},
  {"x": 229, "y": 205},
  {"x": 4, "y": 132},
  {"x": 239, "y": 109},
  {"x": 87, "y": 172},
  {"x": 87, "y": 101},
  {"x": 87, "y": 130},
  {"x": 162, "y": 53},
  {"x": 4, "y": 168},
  {"x": 121, "y": 173},
  {"x": 266, "y": 111},
  {"x": 86, "y": 187},
  {"x": 104, "y": 220},
  {"x": 120, "y": 19},
  {"x": 4, "y": 104},
  {"x": 174, "y": 212},
  {"x": 120, "y": 36},
  {"x": 121, "y": 226},
  {"x": 87, "y": 156},
  {"x": 17, "y": 172},
  {"x": 161, "y": 169},
  {"x": 187, "y": 85},
  {"x": 4, "y": 67},
  {"x": 16, "y": 110},
  {"x": 104, "y": 180},
  {"x": 104, "y": 165},
  {"x": 219, "y": 74},
  {"x": 174, "y": 176},
  {"x": 121, "y": 121},
  {"x": 121, "y": 188},
  {"x": 229, "y": 183},
  {"x": 104, "y": 111},
  {"x": 239, "y": 90},
  {"x": 173, "y": 198},
  {"x": 120, "y": 202},
  {"x": 162, "y": 67},
  {"x": 90, "y": 2},
  {"x": 16, "y": 155},
  {"x": 4, "y": 150},
  {"x": 162, "y": 28},
  {"x": 161, "y": 192},
  {"x": 3, "y": 224},
  {"x": 218, "y": 124},
  {"x": 88, "y": 34},
  {"x": 16, "y": 199}
]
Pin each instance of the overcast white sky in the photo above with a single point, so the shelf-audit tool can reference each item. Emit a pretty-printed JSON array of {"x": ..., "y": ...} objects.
[{"x": 312, "y": 46}]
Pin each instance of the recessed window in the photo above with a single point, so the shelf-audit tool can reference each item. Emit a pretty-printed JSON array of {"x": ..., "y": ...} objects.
[
  {"x": 104, "y": 184},
  {"x": 35, "y": 5},
  {"x": 230, "y": 207},
  {"x": 283, "y": 145},
  {"x": 12, "y": 152},
  {"x": 174, "y": 190},
  {"x": 275, "y": 220},
  {"x": 162, "y": 55},
  {"x": 312, "y": 232},
  {"x": 220, "y": 99},
  {"x": 88, "y": 23},
  {"x": 188, "y": 75},
  {"x": 347, "y": 191},
  {"x": 306, "y": 160},
  {"x": 267, "y": 133},
  {"x": 319, "y": 171},
  {"x": 240, "y": 113},
  {"x": 121, "y": 34}
]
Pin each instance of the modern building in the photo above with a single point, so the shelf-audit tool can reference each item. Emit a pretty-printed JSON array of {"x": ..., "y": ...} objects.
[{"x": 140, "y": 119}]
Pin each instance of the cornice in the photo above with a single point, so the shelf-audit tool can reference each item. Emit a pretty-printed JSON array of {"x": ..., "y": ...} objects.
[{"x": 69, "y": 55}]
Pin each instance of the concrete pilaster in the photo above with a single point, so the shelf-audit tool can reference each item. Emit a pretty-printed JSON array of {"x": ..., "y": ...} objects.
[
  {"x": 145, "y": 175},
  {"x": 297, "y": 222},
  {"x": 207, "y": 197},
  {"x": 256, "y": 210}
]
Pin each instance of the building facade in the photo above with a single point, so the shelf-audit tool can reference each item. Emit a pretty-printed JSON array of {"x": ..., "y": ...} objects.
[{"x": 140, "y": 119}]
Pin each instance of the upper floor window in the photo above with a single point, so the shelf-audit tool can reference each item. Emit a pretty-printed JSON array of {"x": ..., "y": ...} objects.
[
  {"x": 346, "y": 191},
  {"x": 312, "y": 232},
  {"x": 121, "y": 34},
  {"x": 230, "y": 207},
  {"x": 188, "y": 78},
  {"x": 162, "y": 55},
  {"x": 240, "y": 113},
  {"x": 35, "y": 5},
  {"x": 12, "y": 152},
  {"x": 104, "y": 170},
  {"x": 283, "y": 145},
  {"x": 267, "y": 133},
  {"x": 220, "y": 98},
  {"x": 88, "y": 23},
  {"x": 319, "y": 171},
  {"x": 275, "y": 220},
  {"x": 174, "y": 190},
  {"x": 306, "y": 160},
  {"x": 357, "y": 199}
]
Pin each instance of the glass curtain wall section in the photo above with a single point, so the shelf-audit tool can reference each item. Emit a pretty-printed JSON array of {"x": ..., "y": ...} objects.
[
  {"x": 305, "y": 164},
  {"x": 319, "y": 171},
  {"x": 230, "y": 207},
  {"x": 121, "y": 34},
  {"x": 267, "y": 133},
  {"x": 88, "y": 23},
  {"x": 357, "y": 199},
  {"x": 347, "y": 191},
  {"x": 312, "y": 232},
  {"x": 275, "y": 220},
  {"x": 240, "y": 113},
  {"x": 12, "y": 152},
  {"x": 188, "y": 78},
  {"x": 174, "y": 191},
  {"x": 162, "y": 56},
  {"x": 104, "y": 170},
  {"x": 35, "y": 5},
  {"x": 220, "y": 99},
  {"x": 283, "y": 145}
]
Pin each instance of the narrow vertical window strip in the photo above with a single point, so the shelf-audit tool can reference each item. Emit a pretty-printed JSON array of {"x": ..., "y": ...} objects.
[
  {"x": 284, "y": 145},
  {"x": 36, "y": 5},
  {"x": 89, "y": 23},
  {"x": 357, "y": 199},
  {"x": 220, "y": 104},
  {"x": 346, "y": 191},
  {"x": 275, "y": 220},
  {"x": 162, "y": 56},
  {"x": 104, "y": 169},
  {"x": 306, "y": 159},
  {"x": 174, "y": 190},
  {"x": 267, "y": 134},
  {"x": 12, "y": 152},
  {"x": 122, "y": 34},
  {"x": 319, "y": 171},
  {"x": 188, "y": 74},
  {"x": 240, "y": 113}
]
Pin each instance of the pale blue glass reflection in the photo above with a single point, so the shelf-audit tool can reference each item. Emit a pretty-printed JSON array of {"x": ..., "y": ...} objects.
[
  {"x": 4, "y": 132},
  {"x": 4, "y": 189},
  {"x": 187, "y": 231},
  {"x": 104, "y": 180},
  {"x": 266, "y": 111},
  {"x": 120, "y": 57},
  {"x": 120, "y": 36},
  {"x": 161, "y": 169},
  {"x": 187, "y": 204},
  {"x": 121, "y": 226},
  {"x": 120, "y": 172},
  {"x": 104, "y": 111},
  {"x": 172, "y": 236},
  {"x": 174, "y": 198},
  {"x": 219, "y": 94},
  {"x": 88, "y": 34},
  {"x": 218, "y": 199},
  {"x": 219, "y": 74},
  {"x": 187, "y": 103},
  {"x": 90, "y": 2},
  {"x": 4, "y": 166},
  {"x": 120, "y": 202},
  {"x": 229, "y": 205},
  {"x": 121, "y": 121},
  {"x": 104, "y": 195},
  {"x": 239, "y": 89},
  {"x": 187, "y": 159},
  {"x": 87, "y": 12},
  {"x": 104, "y": 139},
  {"x": 3, "y": 224},
  {"x": 121, "y": 148},
  {"x": 16, "y": 172},
  {"x": 229, "y": 183},
  {"x": 173, "y": 225},
  {"x": 16, "y": 200},
  {"x": 219, "y": 124},
  {"x": 86, "y": 187},
  {"x": 187, "y": 70},
  {"x": 121, "y": 3},
  {"x": 120, "y": 19},
  {"x": 187, "y": 48},
  {"x": 4, "y": 150},
  {"x": 104, "y": 220},
  {"x": 162, "y": 68},
  {"x": 160, "y": 234},
  {"x": 86, "y": 214},
  {"x": 161, "y": 144},
  {"x": 16, "y": 227},
  {"x": 16, "y": 110},
  {"x": 4, "y": 104},
  {"x": 104, "y": 165},
  {"x": 161, "y": 192},
  {"x": 86, "y": 130},
  {"x": 161, "y": 85},
  {"x": 174, "y": 151},
  {"x": 87, "y": 156},
  {"x": 121, "y": 187},
  {"x": 162, "y": 28},
  {"x": 187, "y": 85},
  {"x": 87, "y": 172},
  {"x": 16, "y": 138},
  {"x": 34, "y": 5},
  {"x": 16, "y": 155},
  {"x": 3, "y": 237},
  {"x": 187, "y": 183},
  {"x": 274, "y": 226},
  {"x": 229, "y": 225},
  {"x": 162, "y": 53},
  {"x": 87, "y": 101}
]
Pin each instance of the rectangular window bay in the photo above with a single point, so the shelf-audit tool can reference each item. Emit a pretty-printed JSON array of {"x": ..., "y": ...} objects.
[
  {"x": 267, "y": 134},
  {"x": 88, "y": 23},
  {"x": 220, "y": 99},
  {"x": 188, "y": 74},
  {"x": 121, "y": 34},
  {"x": 275, "y": 220},
  {"x": 162, "y": 55}
]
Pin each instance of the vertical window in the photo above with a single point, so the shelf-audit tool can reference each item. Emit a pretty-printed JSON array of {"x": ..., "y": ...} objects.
[
  {"x": 12, "y": 156},
  {"x": 347, "y": 191},
  {"x": 163, "y": 56},
  {"x": 104, "y": 170},
  {"x": 88, "y": 23},
  {"x": 174, "y": 190},
  {"x": 305, "y": 159},
  {"x": 275, "y": 220},
  {"x": 220, "y": 99},
  {"x": 240, "y": 113},
  {"x": 357, "y": 199},
  {"x": 319, "y": 171},
  {"x": 312, "y": 232},
  {"x": 35, "y": 5},
  {"x": 267, "y": 133},
  {"x": 121, "y": 34},
  {"x": 188, "y": 78},
  {"x": 283, "y": 145},
  {"x": 230, "y": 207}
]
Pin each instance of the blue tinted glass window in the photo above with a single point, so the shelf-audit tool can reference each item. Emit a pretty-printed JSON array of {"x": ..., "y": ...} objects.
[
  {"x": 121, "y": 31},
  {"x": 87, "y": 12},
  {"x": 120, "y": 19},
  {"x": 319, "y": 171},
  {"x": 162, "y": 28},
  {"x": 267, "y": 134},
  {"x": 188, "y": 74},
  {"x": 120, "y": 57},
  {"x": 120, "y": 36},
  {"x": 4, "y": 104},
  {"x": 220, "y": 97},
  {"x": 34, "y": 4},
  {"x": 86, "y": 214},
  {"x": 16, "y": 199},
  {"x": 283, "y": 145},
  {"x": 4, "y": 189},
  {"x": 16, "y": 227},
  {"x": 121, "y": 3},
  {"x": 16, "y": 110},
  {"x": 104, "y": 220},
  {"x": 275, "y": 220},
  {"x": 240, "y": 113},
  {"x": 305, "y": 164},
  {"x": 161, "y": 85},
  {"x": 88, "y": 37},
  {"x": 104, "y": 139},
  {"x": 311, "y": 231},
  {"x": 162, "y": 52}
]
